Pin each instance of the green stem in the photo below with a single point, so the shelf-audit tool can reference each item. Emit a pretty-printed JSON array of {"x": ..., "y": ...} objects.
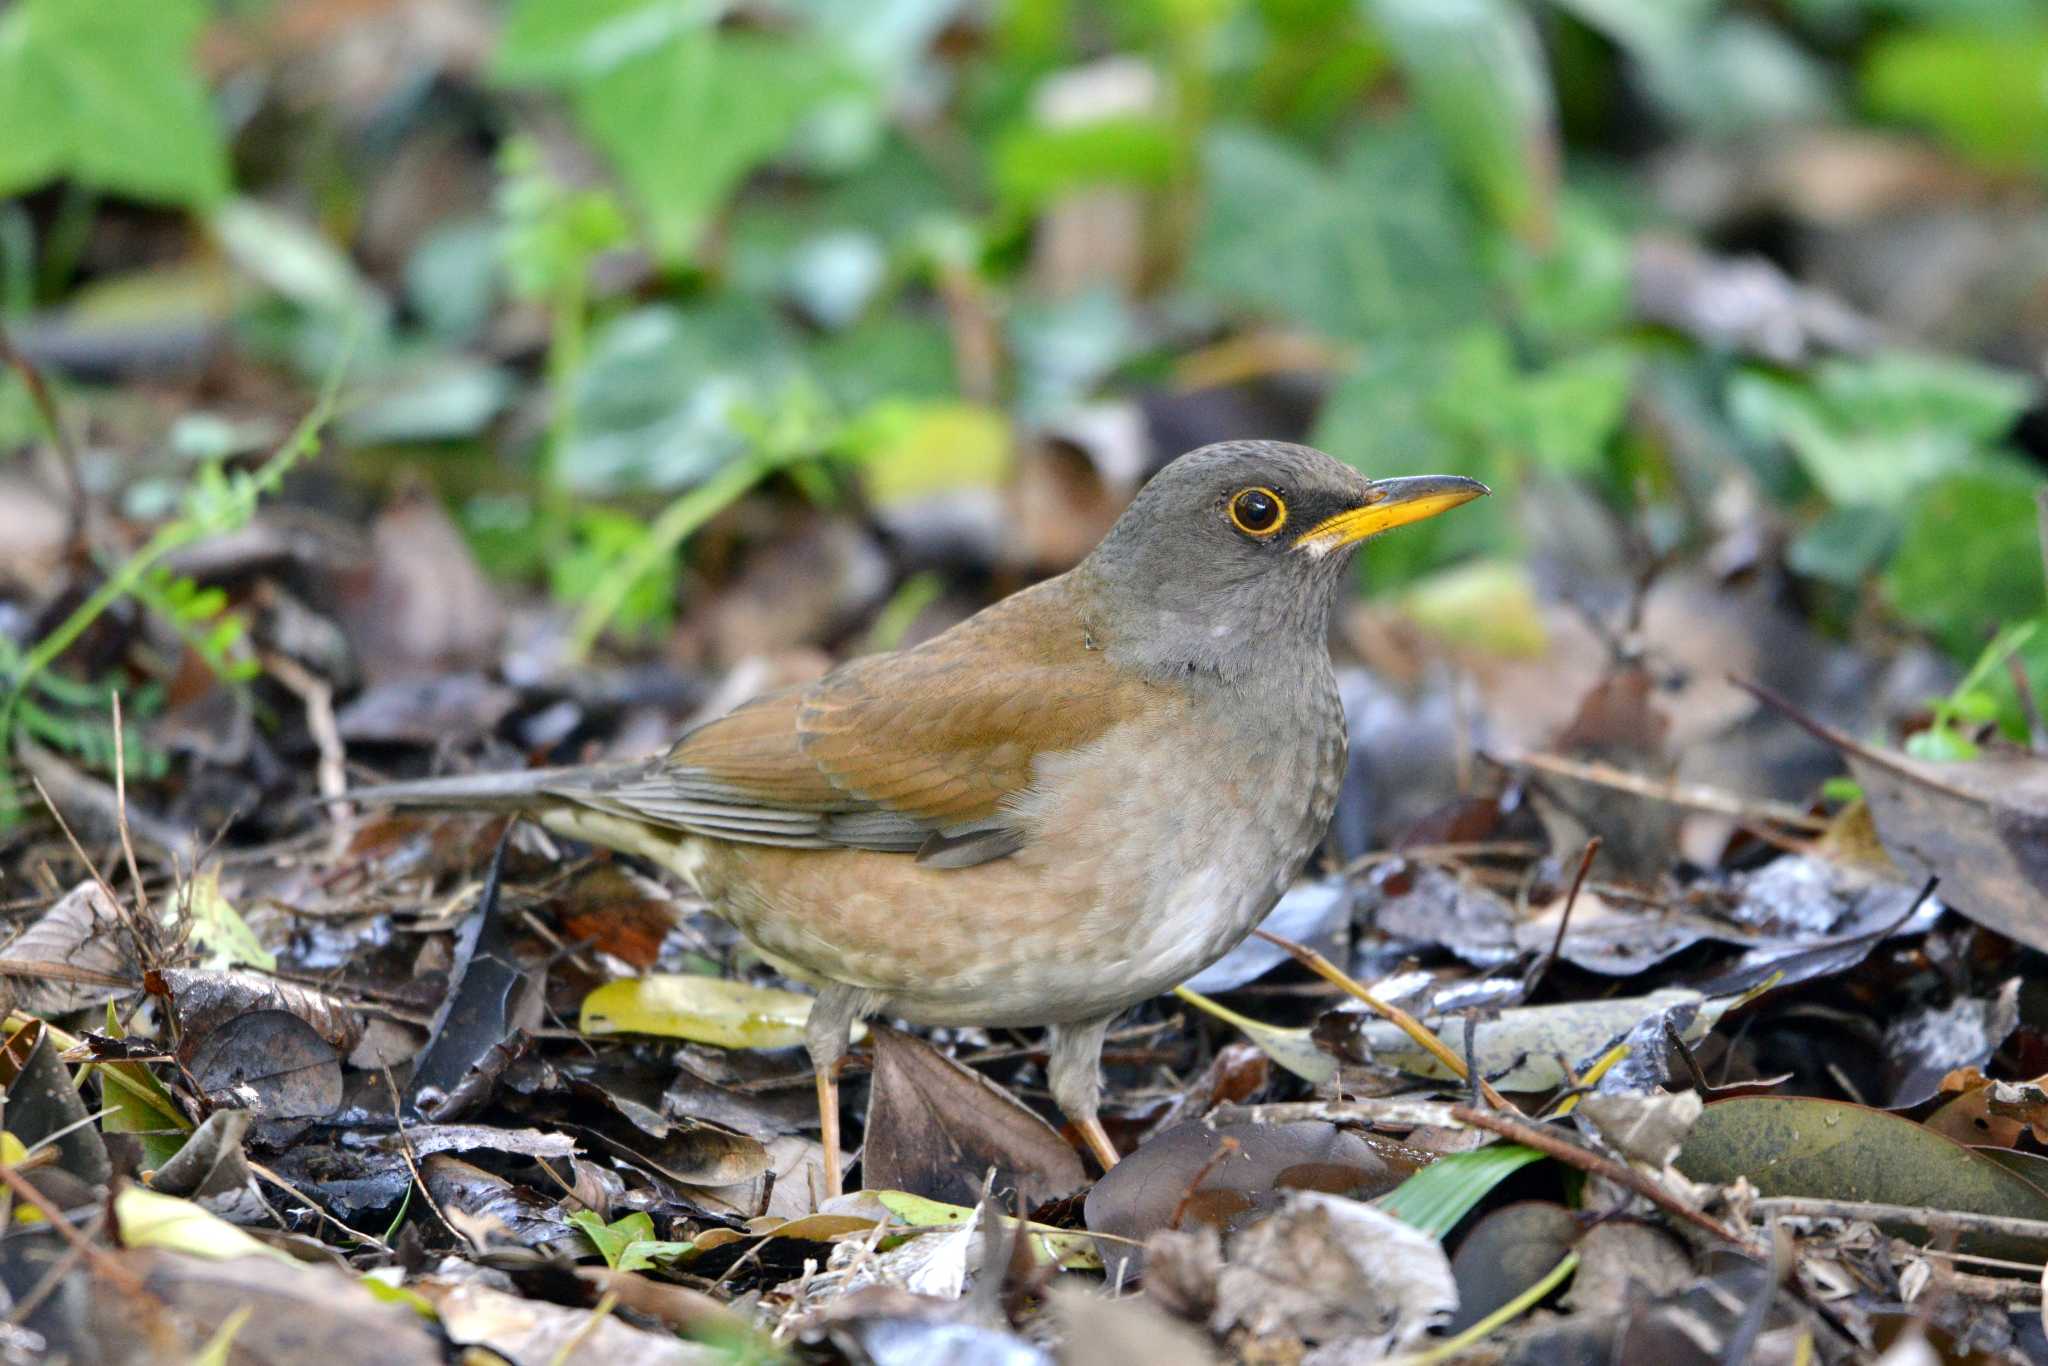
[
  {"x": 565, "y": 362},
  {"x": 664, "y": 534},
  {"x": 175, "y": 536},
  {"x": 1507, "y": 1313}
]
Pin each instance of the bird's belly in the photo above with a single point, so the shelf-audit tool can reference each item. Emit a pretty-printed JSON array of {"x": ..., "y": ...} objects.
[{"x": 1135, "y": 877}]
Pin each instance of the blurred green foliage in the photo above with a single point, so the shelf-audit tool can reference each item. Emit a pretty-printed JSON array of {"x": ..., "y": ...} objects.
[{"x": 827, "y": 219}]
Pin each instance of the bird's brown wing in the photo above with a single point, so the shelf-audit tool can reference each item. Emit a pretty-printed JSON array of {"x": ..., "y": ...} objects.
[{"x": 916, "y": 751}]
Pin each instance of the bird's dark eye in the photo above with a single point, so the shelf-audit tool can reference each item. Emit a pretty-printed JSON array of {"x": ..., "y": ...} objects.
[{"x": 1258, "y": 512}]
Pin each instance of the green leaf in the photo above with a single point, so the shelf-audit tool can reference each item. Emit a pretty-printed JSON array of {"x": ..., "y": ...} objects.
[
  {"x": 1436, "y": 1198},
  {"x": 148, "y": 1219},
  {"x": 1477, "y": 68},
  {"x": 1034, "y": 164},
  {"x": 105, "y": 92},
  {"x": 911, "y": 450},
  {"x": 219, "y": 928},
  {"x": 664, "y": 394},
  {"x": 1982, "y": 89},
  {"x": 1970, "y": 558},
  {"x": 628, "y": 1244},
  {"x": 1561, "y": 417},
  {"x": 1876, "y": 431},
  {"x": 684, "y": 120},
  {"x": 137, "y": 1103},
  {"x": 548, "y": 42},
  {"x": 604, "y": 545},
  {"x": 1846, "y": 545},
  {"x": 1378, "y": 248},
  {"x": 1802, "y": 1146}
]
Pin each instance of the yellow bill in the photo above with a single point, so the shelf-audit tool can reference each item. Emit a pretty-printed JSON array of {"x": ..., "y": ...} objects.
[{"x": 1394, "y": 502}]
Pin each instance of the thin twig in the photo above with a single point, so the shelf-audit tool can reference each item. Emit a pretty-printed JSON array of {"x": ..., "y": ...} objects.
[
  {"x": 1754, "y": 810},
  {"x": 1564, "y": 922},
  {"x": 598, "y": 1315},
  {"x": 45, "y": 404},
  {"x": 412, "y": 1165},
  {"x": 274, "y": 1179},
  {"x": 121, "y": 806},
  {"x": 142, "y": 948},
  {"x": 1938, "y": 1221},
  {"x": 1547, "y": 1140},
  {"x": 1225, "y": 1147},
  {"x": 1408, "y": 1024},
  {"x": 318, "y": 698}
]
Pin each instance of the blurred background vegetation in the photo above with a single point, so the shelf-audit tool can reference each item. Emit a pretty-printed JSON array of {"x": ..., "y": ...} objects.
[{"x": 907, "y": 295}]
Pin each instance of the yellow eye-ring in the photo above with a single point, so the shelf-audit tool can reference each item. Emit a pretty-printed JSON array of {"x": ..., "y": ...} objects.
[{"x": 1258, "y": 512}]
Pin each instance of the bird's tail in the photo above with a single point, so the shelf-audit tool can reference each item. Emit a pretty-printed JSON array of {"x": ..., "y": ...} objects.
[{"x": 528, "y": 790}]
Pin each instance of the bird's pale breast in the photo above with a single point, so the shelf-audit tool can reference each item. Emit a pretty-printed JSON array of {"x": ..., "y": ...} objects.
[{"x": 1151, "y": 852}]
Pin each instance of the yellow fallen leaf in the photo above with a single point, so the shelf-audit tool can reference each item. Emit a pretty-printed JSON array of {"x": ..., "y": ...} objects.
[{"x": 701, "y": 1009}]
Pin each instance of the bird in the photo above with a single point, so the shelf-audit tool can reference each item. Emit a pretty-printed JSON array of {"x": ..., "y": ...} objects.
[{"x": 1056, "y": 809}]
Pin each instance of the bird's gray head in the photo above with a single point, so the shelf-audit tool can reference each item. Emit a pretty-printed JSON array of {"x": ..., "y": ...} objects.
[{"x": 1235, "y": 553}]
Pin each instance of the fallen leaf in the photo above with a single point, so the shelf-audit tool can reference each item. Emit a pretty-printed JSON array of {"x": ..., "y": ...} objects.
[
  {"x": 1508, "y": 1251},
  {"x": 520, "y": 1329},
  {"x": 1323, "y": 1268},
  {"x": 1226, "y": 1176},
  {"x": 147, "y": 1219},
  {"x": 936, "y": 1128},
  {"x": 1801, "y": 1146},
  {"x": 296, "y": 1312},
  {"x": 1437, "y": 1198},
  {"x": 1981, "y": 826},
  {"x": 43, "y": 1107},
  {"x": 711, "y": 1010},
  {"x": 1096, "y": 1330},
  {"x": 83, "y": 929},
  {"x": 1524, "y": 1049}
]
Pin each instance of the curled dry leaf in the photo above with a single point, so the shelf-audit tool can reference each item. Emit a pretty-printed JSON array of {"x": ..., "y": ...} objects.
[
  {"x": 493, "y": 1209},
  {"x": 1322, "y": 1268},
  {"x": 212, "y": 1171},
  {"x": 204, "y": 999},
  {"x": 1643, "y": 1128},
  {"x": 1980, "y": 826},
  {"x": 1204, "y": 1175},
  {"x": 82, "y": 930},
  {"x": 1621, "y": 1260}
]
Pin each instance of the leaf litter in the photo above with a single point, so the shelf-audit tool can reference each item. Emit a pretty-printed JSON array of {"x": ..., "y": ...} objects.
[{"x": 1758, "y": 1075}]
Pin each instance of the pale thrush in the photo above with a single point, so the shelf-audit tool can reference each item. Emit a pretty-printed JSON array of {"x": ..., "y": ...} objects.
[{"x": 1064, "y": 805}]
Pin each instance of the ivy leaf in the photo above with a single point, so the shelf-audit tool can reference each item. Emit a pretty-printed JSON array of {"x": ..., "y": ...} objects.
[
  {"x": 1477, "y": 69},
  {"x": 685, "y": 119},
  {"x": 1379, "y": 247},
  {"x": 1970, "y": 557},
  {"x": 104, "y": 93}
]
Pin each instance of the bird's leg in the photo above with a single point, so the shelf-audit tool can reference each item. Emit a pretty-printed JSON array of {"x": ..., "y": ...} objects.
[
  {"x": 826, "y": 1035},
  {"x": 1076, "y": 1075}
]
